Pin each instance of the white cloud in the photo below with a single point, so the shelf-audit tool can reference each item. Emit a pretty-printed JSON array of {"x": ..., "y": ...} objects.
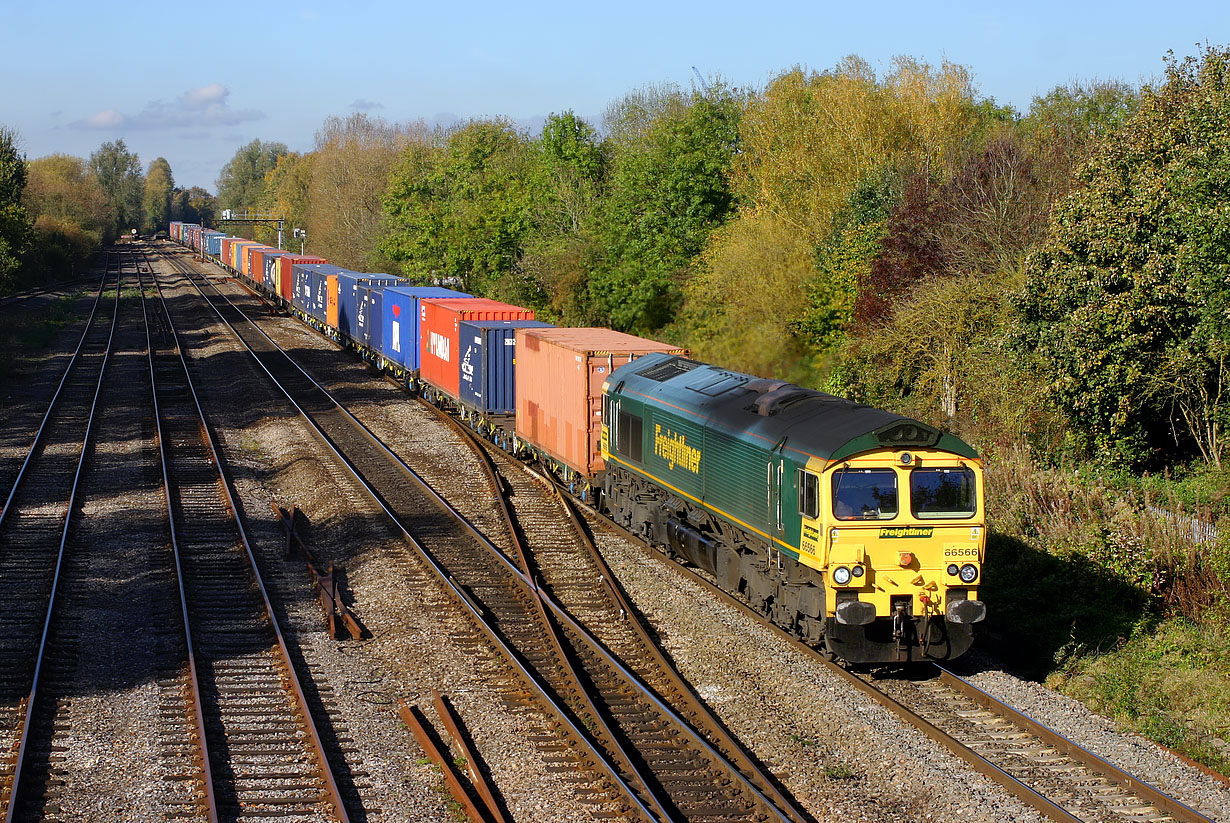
[
  {"x": 108, "y": 119},
  {"x": 366, "y": 105},
  {"x": 204, "y": 96},
  {"x": 196, "y": 108}
]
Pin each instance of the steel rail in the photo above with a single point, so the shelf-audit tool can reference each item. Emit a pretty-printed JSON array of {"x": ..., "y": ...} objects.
[
  {"x": 211, "y": 802},
  {"x": 32, "y": 698},
  {"x": 1163, "y": 802},
  {"x": 529, "y": 581},
  {"x": 317, "y": 746},
  {"x": 38, "y": 436},
  {"x": 743, "y": 760},
  {"x": 1019, "y": 789},
  {"x": 580, "y": 736},
  {"x": 51, "y": 288},
  {"x": 630, "y": 677}
]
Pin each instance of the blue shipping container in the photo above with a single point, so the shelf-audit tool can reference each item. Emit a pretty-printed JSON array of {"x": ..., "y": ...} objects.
[
  {"x": 352, "y": 308},
  {"x": 487, "y": 360},
  {"x": 315, "y": 296},
  {"x": 213, "y": 243},
  {"x": 400, "y": 332}
]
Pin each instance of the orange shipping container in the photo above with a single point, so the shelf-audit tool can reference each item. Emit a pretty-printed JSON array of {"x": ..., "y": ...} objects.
[
  {"x": 249, "y": 256},
  {"x": 560, "y": 373},
  {"x": 331, "y": 304}
]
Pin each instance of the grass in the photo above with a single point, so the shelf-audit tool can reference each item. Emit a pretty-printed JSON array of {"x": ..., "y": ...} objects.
[
  {"x": 1099, "y": 585},
  {"x": 839, "y": 771},
  {"x": 28, "y": 334},
  {"x": 1168, "y": 682}
]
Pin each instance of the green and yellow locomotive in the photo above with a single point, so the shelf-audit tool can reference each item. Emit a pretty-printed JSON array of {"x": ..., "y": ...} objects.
[{"x": 857, "y": 529}]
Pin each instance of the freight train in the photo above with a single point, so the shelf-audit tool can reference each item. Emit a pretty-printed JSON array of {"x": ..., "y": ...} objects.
[{"x": 859, "y": 530}]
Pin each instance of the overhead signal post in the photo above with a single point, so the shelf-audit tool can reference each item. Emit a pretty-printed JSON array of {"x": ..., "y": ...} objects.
[{"x": 255, "y": 218}]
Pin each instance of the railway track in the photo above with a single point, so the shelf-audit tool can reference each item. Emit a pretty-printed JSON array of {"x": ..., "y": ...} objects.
[
  {"x": 1039, "y": 766},
  {"x": 664, "y": 768},
  {"x": 253, "y": 749},
  {"x": 1036, "y": 765},
  {"x": 36, "y": 525},
  {"x": 572, "y": 572}
]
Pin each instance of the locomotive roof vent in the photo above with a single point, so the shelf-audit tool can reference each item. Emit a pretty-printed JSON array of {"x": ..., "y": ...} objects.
[
  {"x": 666, "y": 369},
  {"x": 717, "y": 381},
  {"x": 771, "y": 402}
]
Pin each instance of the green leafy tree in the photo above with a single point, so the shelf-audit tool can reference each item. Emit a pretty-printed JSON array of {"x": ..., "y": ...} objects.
[
  {"x": 566, "y": 191},
  {"x": 159, "y": 184},
  {"x": 1065, "y": 126},
  {"x": 668, "y": 190},
  {"x": 15, "y": 228},
  {"x": 241, "y": 184},
  {"x": 1126, "y": 310},
  {"x": 462, "y": 210},
  {"x": 119, "y": 173},
  {"x": 193, "y": 205}
]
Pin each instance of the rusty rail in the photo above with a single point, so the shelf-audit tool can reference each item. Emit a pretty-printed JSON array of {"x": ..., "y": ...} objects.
[{"x": 327, "y": 591}]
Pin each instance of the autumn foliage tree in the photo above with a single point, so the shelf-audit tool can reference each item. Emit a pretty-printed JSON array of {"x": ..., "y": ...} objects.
[
  {"x": 347, "y": 175},
  {"x": 72, "y": 214}
]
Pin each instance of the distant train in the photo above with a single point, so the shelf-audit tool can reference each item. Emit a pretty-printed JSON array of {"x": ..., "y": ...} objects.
[{"x": 860, "y": 531}]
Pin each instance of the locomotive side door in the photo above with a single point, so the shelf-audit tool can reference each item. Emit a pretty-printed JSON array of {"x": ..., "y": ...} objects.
[{"x": 775, "y": 479}]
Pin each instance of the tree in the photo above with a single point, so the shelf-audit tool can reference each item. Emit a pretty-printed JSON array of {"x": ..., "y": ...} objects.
[
  {"x": 62, "y": 187},
  {"x": 1126, "y": 310},
  {"x": 288, "y": 188},
  {"x": 159, "y": 185},
  {"x": 349, "y": 174},
  {"x": 71, "y": 212},
  {"x": 1065, "y": 126},
  {"x": 241, "y": 184},
  {"x": 193, "y": 205},
  {"x": 462, "y": 210},
  {"x": 560, "y": 243},
  {"x": 119, "y": 173},
  {"x": 15, "y": 228},
  {"x": 668, "y": 190},
  {"x": 810, "y": 145}
]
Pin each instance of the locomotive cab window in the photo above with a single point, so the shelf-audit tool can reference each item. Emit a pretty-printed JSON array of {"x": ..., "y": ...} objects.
[
  {"x": 809, "y": 493},
  {"x": 865, "y": 494},
  {"x": 943, "y": 494}
]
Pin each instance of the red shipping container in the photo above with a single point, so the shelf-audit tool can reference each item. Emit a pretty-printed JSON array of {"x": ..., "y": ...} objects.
[
  {"x": 285, "y": 273},
  {"x": 438, "y": 334},
  {"x": 560, "y": 373}
]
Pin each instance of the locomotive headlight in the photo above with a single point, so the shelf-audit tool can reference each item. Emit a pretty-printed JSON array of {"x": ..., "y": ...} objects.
[
  {"x": 969, "y": 573},
  {"x": 857, "y": 571},
  {"x": 841, "y": 575},
  {"x": 953, "y": 569}
]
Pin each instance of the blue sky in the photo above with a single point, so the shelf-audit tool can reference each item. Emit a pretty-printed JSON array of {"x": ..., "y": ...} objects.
[{"x": 193, "y": 82}]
